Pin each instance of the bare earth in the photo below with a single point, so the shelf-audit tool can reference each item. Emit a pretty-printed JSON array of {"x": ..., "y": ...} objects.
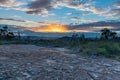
[{"x": 30, "y": 62}]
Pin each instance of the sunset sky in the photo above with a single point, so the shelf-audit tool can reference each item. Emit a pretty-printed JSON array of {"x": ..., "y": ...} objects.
[{"x": 61, "y": 15}]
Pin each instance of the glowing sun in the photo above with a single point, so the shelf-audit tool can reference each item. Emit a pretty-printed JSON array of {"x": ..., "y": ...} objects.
[
  {"x": 50, "y": 28},
  {"x": 57, "y": 28}
]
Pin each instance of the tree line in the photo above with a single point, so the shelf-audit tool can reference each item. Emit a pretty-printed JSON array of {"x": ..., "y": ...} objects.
[
  {"x": 105, "y": 34},
  {"x": 108, "y": 34},
  {"x": 5, "y": 34}
]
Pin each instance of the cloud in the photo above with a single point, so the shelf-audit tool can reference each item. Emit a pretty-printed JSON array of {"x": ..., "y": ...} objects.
[
  {"x": 68, "y": 13},
  {"x": 75, "y": 18},
  {"x": 10, "y": 19},
  {"x": 35, "y": 7},
  {"x": 117, "y": 4},
  {"x": 113, "y": 10},
  {"x": 46, "y": 26},
  {"x": 39, "y": 6},
  {"x": 16, "y": 16},
  {"x": 20, "y": 9},
  {"x": 43, "y": 12},
  {"x": 82, "y": 5},
  {"x": 50, "y": 28},
  {"x": 44, "y": 7},
  {"x": 116, "y": 10},
  {"x": 10, "y": 3},
  {"x": 83, "y": 20},
  {"x": 25, "y": 23},
  {"x": 97, "y": 26},
  {"x": 89, "y": 27}
]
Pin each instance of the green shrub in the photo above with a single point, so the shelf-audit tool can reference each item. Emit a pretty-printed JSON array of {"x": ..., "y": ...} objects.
[
  {"x": 101, "y": 51},
  {"x": 117, "y": 58},
  {"x": 112, "y": 49},
  {"x": 107, "y": 49}
]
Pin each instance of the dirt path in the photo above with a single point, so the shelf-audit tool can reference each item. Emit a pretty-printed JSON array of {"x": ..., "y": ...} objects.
[{"x": 30, "y": 62}]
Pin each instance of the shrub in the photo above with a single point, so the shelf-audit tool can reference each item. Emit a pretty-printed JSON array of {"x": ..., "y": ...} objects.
[{"x": 107, "y": 49}]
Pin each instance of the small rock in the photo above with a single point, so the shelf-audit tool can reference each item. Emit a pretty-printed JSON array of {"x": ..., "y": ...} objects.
[
  {"x": 107, "y": 65},
  {"x": 117, "y": 68}
]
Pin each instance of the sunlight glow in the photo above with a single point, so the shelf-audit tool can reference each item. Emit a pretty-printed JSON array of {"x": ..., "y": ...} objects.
[{"x": 50, "y": 28}]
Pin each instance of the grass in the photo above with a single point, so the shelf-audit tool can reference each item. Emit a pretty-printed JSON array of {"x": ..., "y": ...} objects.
[
  {"x": 100, "y": 48},
  {"x": 105, "y": 48}
]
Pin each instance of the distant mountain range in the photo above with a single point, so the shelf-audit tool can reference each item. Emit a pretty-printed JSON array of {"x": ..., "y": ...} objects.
[
  {"x": 109, "y": 23},
  {"x": 25, "y": 32}
]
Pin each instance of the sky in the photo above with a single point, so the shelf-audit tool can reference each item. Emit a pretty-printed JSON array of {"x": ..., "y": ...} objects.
[{"x": 61, "y": 15}]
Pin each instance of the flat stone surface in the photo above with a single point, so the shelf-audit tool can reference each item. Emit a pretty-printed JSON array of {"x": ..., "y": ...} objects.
[{"x": 30, "y": 62}]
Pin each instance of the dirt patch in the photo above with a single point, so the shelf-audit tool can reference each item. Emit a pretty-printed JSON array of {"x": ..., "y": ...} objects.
[{"x": 30, "y": 62}]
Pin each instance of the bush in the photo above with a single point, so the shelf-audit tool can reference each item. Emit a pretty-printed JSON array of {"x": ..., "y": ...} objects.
[{"x": 107, "y": 49}]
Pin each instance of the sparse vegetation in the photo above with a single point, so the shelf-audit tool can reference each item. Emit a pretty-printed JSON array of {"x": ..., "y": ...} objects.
[
  {"x": 107, "y": 34},
  {"x": 5, "y": 34},
  {"x": 103, "y": 47}
]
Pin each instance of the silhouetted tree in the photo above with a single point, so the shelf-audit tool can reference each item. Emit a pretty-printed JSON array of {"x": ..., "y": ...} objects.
[
  {"x": 74, "y": 38},
  {"x": 75, "y": 35},
  {"x": 19, "y": 36},
  {"x": 5, "y": 34},
  {"x": 10, "y": 35},
  {"x": 5, "y": 28},
  {"x": 82, "y": 37},
  {"x": 106, "y": 34},
  {"x": 113, "y": 35}
]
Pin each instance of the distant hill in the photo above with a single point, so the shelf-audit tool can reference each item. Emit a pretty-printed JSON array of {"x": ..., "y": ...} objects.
[
  {"x": 25, "y": 32},
  {"x": 109, "y": 23}
]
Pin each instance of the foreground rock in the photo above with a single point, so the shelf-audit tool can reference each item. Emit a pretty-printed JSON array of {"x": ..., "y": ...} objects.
[{"x": 29, "y": 62}]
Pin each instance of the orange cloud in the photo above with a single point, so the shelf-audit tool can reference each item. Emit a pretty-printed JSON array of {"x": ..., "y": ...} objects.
[{"x": 50, "y": 28}]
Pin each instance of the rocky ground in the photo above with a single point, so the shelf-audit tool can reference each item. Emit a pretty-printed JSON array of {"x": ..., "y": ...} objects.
[{"x": 30, "y": 62}]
